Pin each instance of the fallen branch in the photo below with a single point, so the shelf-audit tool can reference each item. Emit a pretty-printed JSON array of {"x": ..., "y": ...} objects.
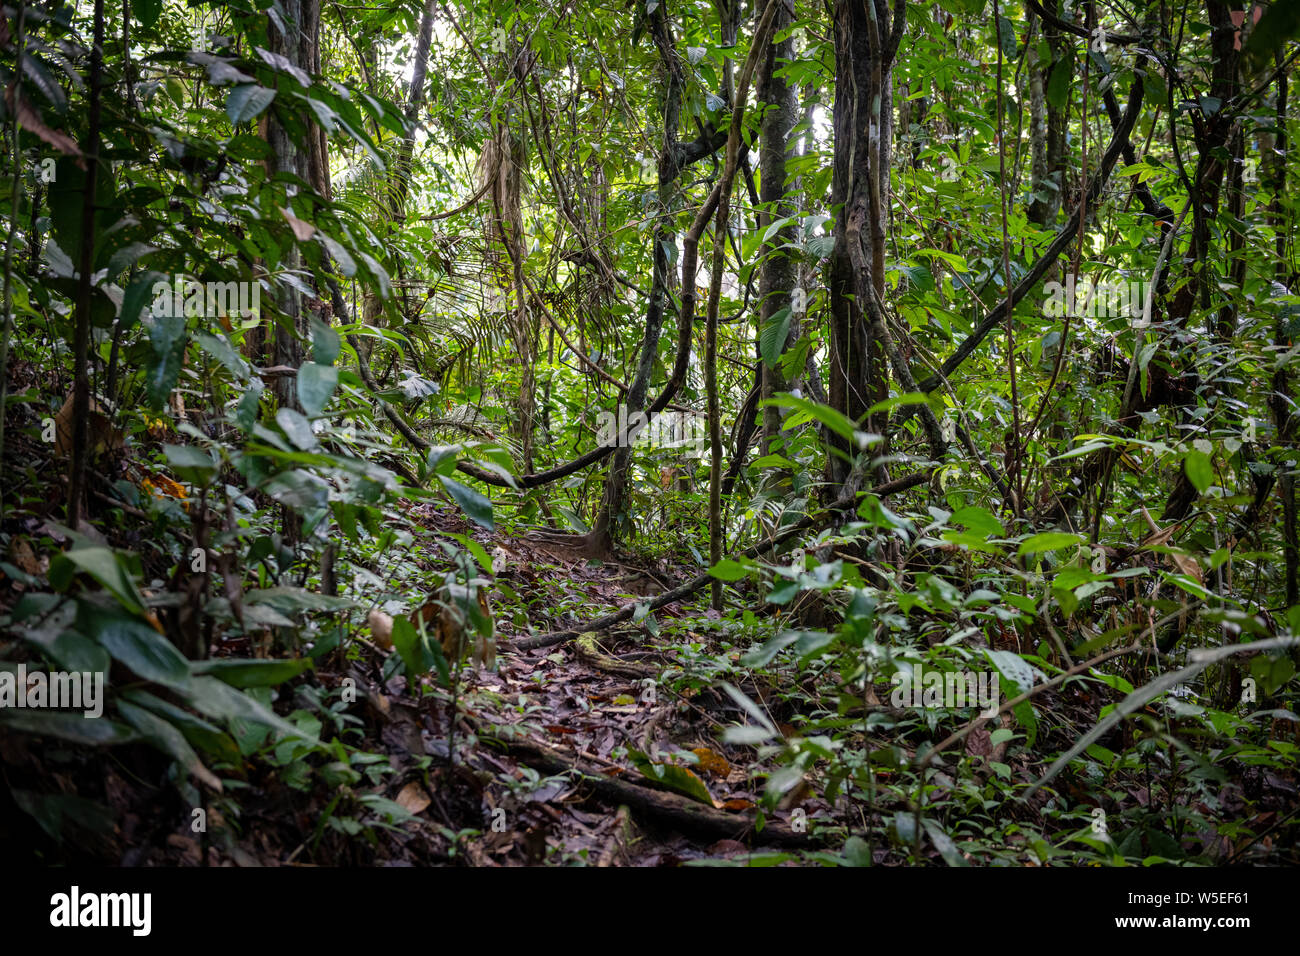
[{"x": 681, "y": 813}]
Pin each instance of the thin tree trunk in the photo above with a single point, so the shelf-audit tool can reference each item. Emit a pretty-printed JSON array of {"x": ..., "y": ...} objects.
[
  {"x": 1282, "y": 399},
  {"x": 81, "y": 342}
]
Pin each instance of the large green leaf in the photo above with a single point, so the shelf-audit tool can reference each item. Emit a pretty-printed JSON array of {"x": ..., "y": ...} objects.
[
  {"x": 316, "y": 383},
  {"x": 774, "y": 335},
  {"x": 138, "y": 646},
  {"x": 411, "y": 647},
  {"x": 1200, "y": 469},
  {"x": 96, "y": 732},
  {"x": 169, "y": 740},
  {"x": 476, "y": 507},
  {"x": 106, "y": 567},
  {"x": 1058, "y": 82},
  {"x": 219, "y": 700},
  {"x": 190, "y": 464},
  {"x": 252, "y": 673},
  {"x": 325, "y": 342},
  {"x": 147, "y": 12},
  {"x": 167, "y": 340},
  {"x": 288, "y": 600},
  {"x": 207, "y": 737},
  {"x": 1049, "y": 541},
  {"x": 247, "y": 101},
  {"x": 299, "y": 490}
]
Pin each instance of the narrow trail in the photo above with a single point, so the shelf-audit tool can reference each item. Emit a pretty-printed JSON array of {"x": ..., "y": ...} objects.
[{"x": 556, "y": 744}]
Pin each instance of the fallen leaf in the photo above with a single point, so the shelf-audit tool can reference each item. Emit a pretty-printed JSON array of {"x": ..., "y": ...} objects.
[
  {"x": 979, "y": 743},
  {"x": 711, "y": 762},
  {"x": 413, "y": 798},
  {"x": 21, "y": 553}
]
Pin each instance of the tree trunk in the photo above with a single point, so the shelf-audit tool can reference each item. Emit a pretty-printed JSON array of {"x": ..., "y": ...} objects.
[
  {"x": 865, "y": 40},
  {"x": 1047, "y": 124},
  {"x": 778, "y": 275}
]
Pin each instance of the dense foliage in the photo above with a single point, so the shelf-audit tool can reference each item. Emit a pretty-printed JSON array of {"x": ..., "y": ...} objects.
[{"x": 866, "y": 432}]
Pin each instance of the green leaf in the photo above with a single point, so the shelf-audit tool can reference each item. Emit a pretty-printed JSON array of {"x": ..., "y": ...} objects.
[
  {"x": 252, "y": 673},
  {"x": 1007, "y": 37},
  {"x": 889, "y": 404},
  {"x": 673, "y": 777},
  {"x": 207, "y": 737},
  {"x": 762, "y": 656},
  {"x": 325, "y": 342},
  {"x": 412, "y": 647},
  {"x": 288, "y": 600},
  {"x": 828, "y": 416},
  {"x": 299, "y": 490},
  {"x": 1058, "y": 83},
  {"x": 138, "y": 646},
  {"x": 167, "y": 339},
  {"x": 746, "y": 736},
  {"x": 316, "y": 383},
  {"x": 774, "y": 335},
  {"x": 169, "y": 740},
  {"x": 106, "y": 567},
  {"x": 473, "y": 547},
  {"x": 857, "y": 852},
  {"x": 1012, "y": 667},
  {"x": 979, "y": 520},
  {"x": 1200, "y": 470},
  {"x": 476, "y": 507},
  {"x": 247, "y": 101},
  {"x": 1049, "y": 541},
  {"x": 147, "y": 12},
  {"x": 137, "y": 295},
  {"x": 62, "y": 815},
  {"x": 190, "y": 464},
  {"x": 249, "y": 404},
  {"x": 219, "y": 700},
  {"x": 297, "y": 428},
  {"x": 943, "y": 843},
  {"x": 99, "y": 732},
  {"x": 126, "y": 256},
  {"x": 751, "y": 708},
  {"x": 729, "y": 570},
  {"x": 223, "y": 352}
]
